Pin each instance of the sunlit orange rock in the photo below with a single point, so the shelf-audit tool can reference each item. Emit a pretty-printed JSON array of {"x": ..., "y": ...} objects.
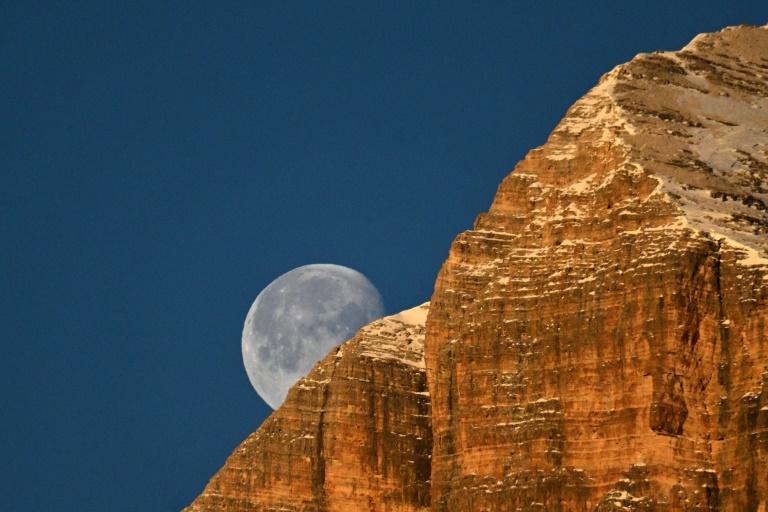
[
  {"x": 353, "y": 435},
  {"x": 597, "y": 342}
]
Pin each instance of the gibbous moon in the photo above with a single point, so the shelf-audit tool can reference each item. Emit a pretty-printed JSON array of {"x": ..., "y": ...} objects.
[{"x": 298, "y": 319}]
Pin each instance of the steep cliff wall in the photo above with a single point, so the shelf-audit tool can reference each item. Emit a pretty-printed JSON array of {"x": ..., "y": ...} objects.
[
  {"x": 353, "y": 435},
  {"x": 598, "y": 340}
]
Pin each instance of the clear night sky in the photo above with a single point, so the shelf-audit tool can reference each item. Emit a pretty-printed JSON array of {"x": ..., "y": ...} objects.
[{"x": 160, "y": 164}]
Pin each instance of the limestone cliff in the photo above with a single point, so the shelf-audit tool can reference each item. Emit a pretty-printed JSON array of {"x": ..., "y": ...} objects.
[
  {"x": 596, "y": 342},
  {"x": 355, "y": 434}
]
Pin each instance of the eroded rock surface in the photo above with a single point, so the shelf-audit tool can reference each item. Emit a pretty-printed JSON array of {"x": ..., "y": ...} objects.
[
  {"x": 353, "y": 435},
  {"x": 598, "y": 341}
]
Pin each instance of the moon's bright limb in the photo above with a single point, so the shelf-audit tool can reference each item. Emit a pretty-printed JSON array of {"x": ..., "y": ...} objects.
[{"x": 298, "y": 319}]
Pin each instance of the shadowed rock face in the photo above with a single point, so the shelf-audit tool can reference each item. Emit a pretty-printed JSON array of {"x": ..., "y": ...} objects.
[{"x": 596, "y": 342}]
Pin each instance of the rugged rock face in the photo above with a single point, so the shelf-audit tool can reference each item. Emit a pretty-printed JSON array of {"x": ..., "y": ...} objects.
[
  {"x": 355, "y": 434},
  {"x": 596, "y": 342}
]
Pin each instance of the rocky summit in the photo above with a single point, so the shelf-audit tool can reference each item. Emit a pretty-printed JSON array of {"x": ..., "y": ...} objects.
[{"x": 596, "y": 343}]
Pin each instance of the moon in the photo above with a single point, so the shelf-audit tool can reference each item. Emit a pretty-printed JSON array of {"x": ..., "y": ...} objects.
[{"x": 298, "y": 319}]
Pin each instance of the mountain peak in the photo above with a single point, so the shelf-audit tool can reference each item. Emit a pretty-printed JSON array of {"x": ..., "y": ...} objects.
[
  {"x": 694, "y": 120},
  {"x": 596, "y": 342}
]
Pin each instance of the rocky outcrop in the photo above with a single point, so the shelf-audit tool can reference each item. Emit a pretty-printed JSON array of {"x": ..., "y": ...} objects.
[
  {"x": 596, "y": 342},
  {"x": 354, "y": 434}
]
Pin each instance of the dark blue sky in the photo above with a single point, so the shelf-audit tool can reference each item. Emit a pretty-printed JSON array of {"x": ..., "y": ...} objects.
[{"x": 160, "y": 165}]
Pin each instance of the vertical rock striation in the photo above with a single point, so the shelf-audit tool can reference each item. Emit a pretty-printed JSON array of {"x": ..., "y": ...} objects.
[
  {"x": 598, "y": 342},
  {"x": 353, "y": 435}
]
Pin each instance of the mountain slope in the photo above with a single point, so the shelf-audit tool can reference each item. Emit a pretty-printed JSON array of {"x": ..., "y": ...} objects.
[
  {"x": 596, "y": 342},
  {"x": 352, "y": 435},
  {"x": 599, "y": 336}
]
